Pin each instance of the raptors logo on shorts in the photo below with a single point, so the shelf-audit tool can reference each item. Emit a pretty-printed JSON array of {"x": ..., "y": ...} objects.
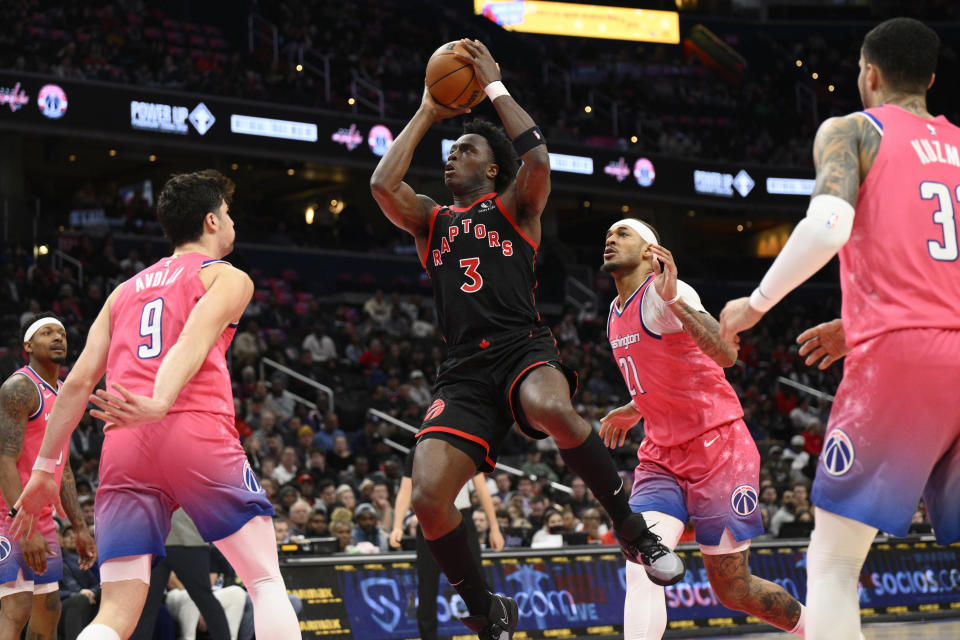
[
  {"x": 838, "y": 454},
  {"x": 744, "y": 500},
  {"x": 435, "y": 410}
]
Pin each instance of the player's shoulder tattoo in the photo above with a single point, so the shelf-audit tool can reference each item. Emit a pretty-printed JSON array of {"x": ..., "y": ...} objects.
[
  {"x": 18, "y": 401},
  {"x": 837, "y": 154}
]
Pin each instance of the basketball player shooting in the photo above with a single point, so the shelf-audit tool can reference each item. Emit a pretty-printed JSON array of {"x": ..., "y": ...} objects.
[
  {"x": 894, "y": 431},
  {"x": 502, "y": 364},
  {"x": 698, "y": 460},
  {"x": 169, "y": 437}
]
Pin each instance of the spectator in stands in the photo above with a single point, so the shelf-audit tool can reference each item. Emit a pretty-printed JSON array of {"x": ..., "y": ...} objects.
[
  {"x": 786, "y": 512},
  {"x": 327, "y": 491},
  {"x": 570, "y": 522},
  {"x": 317, "y": 525},
  {"x": 299, "y": 517},
  {"x": 482, "y": 525},
  {"x": 86, "y": 438},
  {"x": 593, "y": 525},
  {"x": 346, "y": 497},
  {"x": 423, "y": 327},
  {"x": 800, "y": 465},
  {"x": 768, "y": 498},
  {"x": 549, "y": 535},
  {"x": 803, "y": 415},
  {"x": 344, "y": 535},
  {"x": 340, "y": 458},
  {"x": 538, "y": 510},
  {"x": 281, "y": 528},
  {"x": 502, "y": 478},
  {"x": 248, "y": 345},
  {"x": 328, "y": 432},
  {"x": 533, "y": 465},
  {"x": 317, "y": 465},
  {"x": 579, "y": 498},
  {"x": 382, "y": 501},
  {"x": 288, "y": 467},
  {"x": 87, "y": 508},
  {"x": 79, "y": 589},
  {"x": 419, "y": 393},
  {"x": 373, "y": 355},
  {"x": 319, "y": 344},
  {"x": 279, "y": 400},
  {"x": 779, "y": 468},
  {"x": 378, "y": 309},
  {"x": 367, "y": 529}
]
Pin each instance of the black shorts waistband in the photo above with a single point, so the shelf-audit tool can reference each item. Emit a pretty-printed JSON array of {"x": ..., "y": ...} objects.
[{"x": 483, "y": 343}]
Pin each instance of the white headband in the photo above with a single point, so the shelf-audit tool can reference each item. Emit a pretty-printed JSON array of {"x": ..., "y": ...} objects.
[
  {"x": 642, "y": 230},
  {"x": 42, "y": 322}
]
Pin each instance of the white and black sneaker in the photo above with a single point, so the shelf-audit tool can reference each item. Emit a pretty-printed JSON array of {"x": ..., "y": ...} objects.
[
  {"x": 643, "y": 547},
  {"x": 500, "y": 623}
]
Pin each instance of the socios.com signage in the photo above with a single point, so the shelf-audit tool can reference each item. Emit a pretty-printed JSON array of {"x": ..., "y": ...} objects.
[{"x": 579, "y": 592}]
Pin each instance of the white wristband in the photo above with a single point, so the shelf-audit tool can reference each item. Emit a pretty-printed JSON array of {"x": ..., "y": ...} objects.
[
  {"x": 495, "y": 89},
  {"x": 48, "y": 465},
  {"x": 674, "y": 300}
]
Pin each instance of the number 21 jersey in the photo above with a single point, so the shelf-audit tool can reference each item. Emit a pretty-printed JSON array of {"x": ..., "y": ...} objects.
[
  {"x": 481, "y": 265},
  {"x": 146, "y": 319}
]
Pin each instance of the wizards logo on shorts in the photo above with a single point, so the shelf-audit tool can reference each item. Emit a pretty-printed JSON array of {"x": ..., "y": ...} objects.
[
  {"x": 435, "y": 410},
  {"x": 838, "y": 454},
  {"x": 5, "y": 547},
  {"x": 744, "y": 500},
  {"x": 250, "y": 479}
]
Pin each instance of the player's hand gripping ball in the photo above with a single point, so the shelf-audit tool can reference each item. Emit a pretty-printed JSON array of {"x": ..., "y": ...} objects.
[{"x": 452, "y": 82}]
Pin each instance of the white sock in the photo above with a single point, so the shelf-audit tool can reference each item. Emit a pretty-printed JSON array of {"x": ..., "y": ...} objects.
[
  {"x": 837, "y": 550},
  {"x": 252, "y": 551},
  {"x": 98, "y": 632},
  {"x": 645, "y": 606},
  {"x": 800, "y": 628}
]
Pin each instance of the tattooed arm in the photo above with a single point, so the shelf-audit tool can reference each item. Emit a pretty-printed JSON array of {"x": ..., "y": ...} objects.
[
  {"x": 86, "y": 548},
  {"x": 843, "y": 152},
  {"x": 705, "y": 331},
  {"x": 19, "y": 400}
]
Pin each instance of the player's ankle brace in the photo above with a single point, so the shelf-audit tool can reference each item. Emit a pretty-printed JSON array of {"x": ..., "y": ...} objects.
[
  {"x": 591, "y": 461},
  {"x": 454, "y": 558}
]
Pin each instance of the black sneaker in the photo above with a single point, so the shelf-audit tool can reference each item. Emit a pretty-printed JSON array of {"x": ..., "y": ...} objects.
[
  {"x": 499, "y": 624},
  {"x": 642, "y": 546}
]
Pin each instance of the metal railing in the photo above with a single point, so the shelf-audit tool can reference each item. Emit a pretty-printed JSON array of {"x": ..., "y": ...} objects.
[
  {"x": 360, "y": 83},
  {"x": 579, "y": 295},
  {"x": 317, "y": 64},
  {"x": 386, "y": 417},
  {"x": 59, "y": 257},
  {"x": 259, "y": 29},
  {"x": 267, "y": 362},
  {"x": 816, "y": 393}
]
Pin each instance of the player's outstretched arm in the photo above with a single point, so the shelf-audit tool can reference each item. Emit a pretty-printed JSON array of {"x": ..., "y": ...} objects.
[
  {"x": 529, "y": 192},
  {"x": 400, "y": 509},
  {"x": 495, "y": 537},
  {"x": 402, "y": 206},
  {"x": 843, "y": 151}
]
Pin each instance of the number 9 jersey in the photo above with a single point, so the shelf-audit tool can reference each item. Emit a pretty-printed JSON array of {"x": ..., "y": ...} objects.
[
  {"x": 482, "y": 269},
  {"x": 146, "y": 319}
]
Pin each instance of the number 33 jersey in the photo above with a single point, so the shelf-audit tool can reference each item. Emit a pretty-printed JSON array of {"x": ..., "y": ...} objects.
[
  {"x": 677, "y": 388},
  {"x": 481, "y": 265},
  {"x": 146, "y": 319}
]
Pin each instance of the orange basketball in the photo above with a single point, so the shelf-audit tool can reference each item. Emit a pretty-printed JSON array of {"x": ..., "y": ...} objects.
[{"x": 451, "y": 81}]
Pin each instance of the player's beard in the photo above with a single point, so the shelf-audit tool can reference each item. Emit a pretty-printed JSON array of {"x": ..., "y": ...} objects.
[
  {"x": 58, "y": 358},
  {"x": 610, "y": 266}
]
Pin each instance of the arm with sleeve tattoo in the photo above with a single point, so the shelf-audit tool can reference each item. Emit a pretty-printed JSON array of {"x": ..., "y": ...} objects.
[
  {"x": 68, "y": 497},
  {"x": 705, "y": 331},
  {"x": 18, "y": 401}
]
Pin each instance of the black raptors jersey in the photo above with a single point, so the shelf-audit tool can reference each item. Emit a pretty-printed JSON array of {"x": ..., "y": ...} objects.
[{"x": 481, "y": 265}]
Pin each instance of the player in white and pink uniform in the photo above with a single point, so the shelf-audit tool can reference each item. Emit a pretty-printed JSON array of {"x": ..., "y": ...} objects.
[
  {"x": 30, "y": 569},
  {"x": 886, "y": 197},
  {"x": 697, "y": 460},
  {"x": 161, "y": 339}
]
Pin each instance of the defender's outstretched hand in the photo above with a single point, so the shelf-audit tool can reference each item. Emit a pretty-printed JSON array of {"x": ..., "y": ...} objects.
[
  {"x": 823, "y": 344},
  {"x": 615, "y": 425},
  {"x": 737, "y": 316}
]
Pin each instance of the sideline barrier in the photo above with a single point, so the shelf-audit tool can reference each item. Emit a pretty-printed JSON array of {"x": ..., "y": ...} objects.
[{"x": 578, "y": 592}]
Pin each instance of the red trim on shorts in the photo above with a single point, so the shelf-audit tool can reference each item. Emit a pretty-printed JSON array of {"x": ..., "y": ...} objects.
[
  {"x": 514, "y": 383},
  {"x": 510, "y": 219},
  {"x": 433, "y": 218},
  {"x": 465, "y": 436}
]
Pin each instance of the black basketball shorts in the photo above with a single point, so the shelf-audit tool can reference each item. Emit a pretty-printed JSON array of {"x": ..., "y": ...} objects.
[{"x": 476, "y": 397}]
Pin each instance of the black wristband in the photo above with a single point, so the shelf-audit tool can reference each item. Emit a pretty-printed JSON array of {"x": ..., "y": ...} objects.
[
  {"x": 529, "y": 139},
  {"x": 12, "y": 513}
]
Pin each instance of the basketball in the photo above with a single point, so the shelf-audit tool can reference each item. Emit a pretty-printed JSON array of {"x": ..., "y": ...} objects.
[{"x": 451, "y": 81}]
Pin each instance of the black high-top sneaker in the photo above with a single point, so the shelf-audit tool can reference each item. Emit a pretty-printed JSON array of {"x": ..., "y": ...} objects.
[
  {"x": 642, "y": 546},
  {"x": 499, "y": 624}
]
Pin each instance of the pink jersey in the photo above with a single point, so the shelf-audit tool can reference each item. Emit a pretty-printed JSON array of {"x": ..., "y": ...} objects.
[
  {"x": 33, "y": 436},
  {"x": 900, "y": 268},
  {"x": 146, "y": 319},
  {"x": 680, "y": 391}
]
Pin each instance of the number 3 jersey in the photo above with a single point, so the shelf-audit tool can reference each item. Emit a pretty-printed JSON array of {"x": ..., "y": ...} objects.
[
  {"x": 677, "y": 388},
  {"x": 482, "y": 268},
  {"x": 146, "y": 319},
  {"x": 901, "y": 267}
]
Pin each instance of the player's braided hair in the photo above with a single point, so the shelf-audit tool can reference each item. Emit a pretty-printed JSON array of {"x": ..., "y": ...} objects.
[
  {"x": 185, "y": 201},
  {"x": 504, "y": 155},
  {"x": 906, "y": 51}
]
